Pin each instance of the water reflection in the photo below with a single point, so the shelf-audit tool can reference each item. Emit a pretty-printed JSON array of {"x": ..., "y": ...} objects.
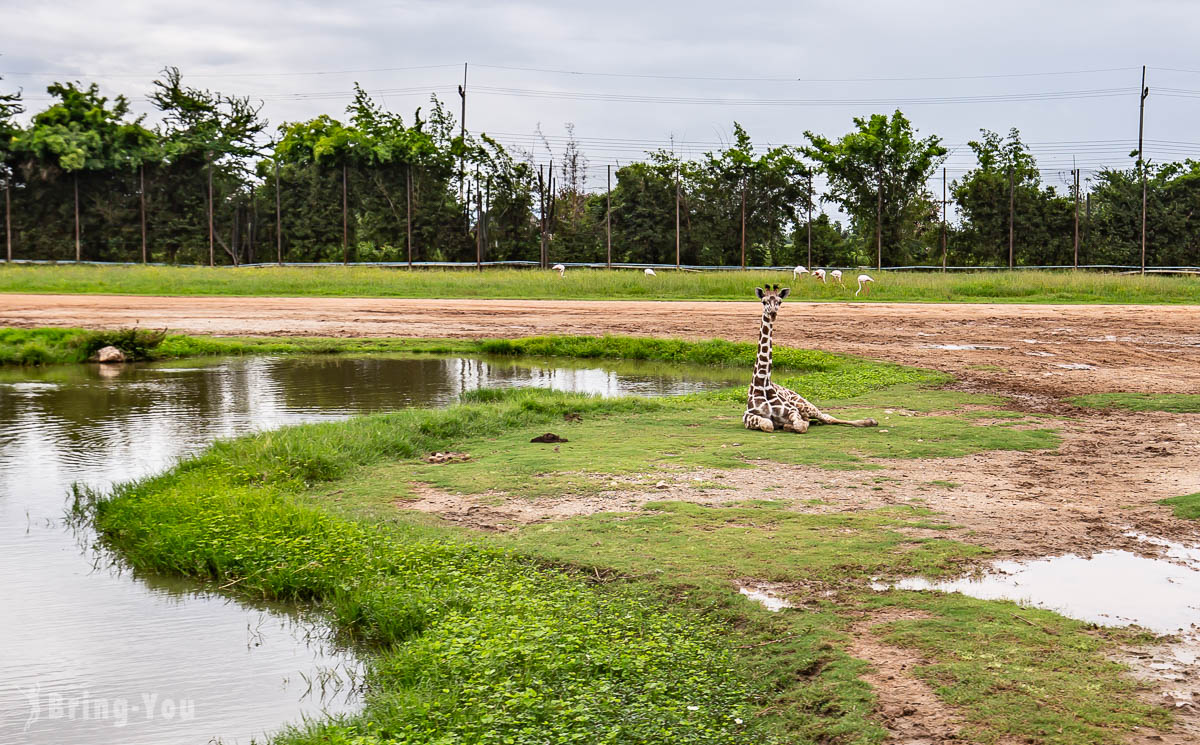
[{"x": 93, "y": 655}]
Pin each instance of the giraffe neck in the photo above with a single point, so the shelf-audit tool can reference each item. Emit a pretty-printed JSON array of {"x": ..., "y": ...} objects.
[{"x": 762, "y": 365}]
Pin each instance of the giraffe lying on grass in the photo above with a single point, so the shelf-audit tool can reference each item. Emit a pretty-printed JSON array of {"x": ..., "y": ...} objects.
[{"x": 769, "y": 405}]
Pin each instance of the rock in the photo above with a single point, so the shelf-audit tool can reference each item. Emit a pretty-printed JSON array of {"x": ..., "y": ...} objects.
[{"x": 109, "y": 354}]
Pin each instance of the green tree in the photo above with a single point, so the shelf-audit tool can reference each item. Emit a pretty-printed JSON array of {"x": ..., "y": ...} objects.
[{"x": 883, "y": 163}]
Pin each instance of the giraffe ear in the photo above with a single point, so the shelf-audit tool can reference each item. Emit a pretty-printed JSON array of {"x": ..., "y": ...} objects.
[
  {"x": 758, "y": 291},
  {"x": 784, "y": 293}
]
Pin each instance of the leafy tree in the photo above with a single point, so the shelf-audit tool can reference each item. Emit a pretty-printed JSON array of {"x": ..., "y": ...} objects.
[
  {"x": 881, "y": 162},
  {"x": 1172, "y": 225},
  {"x": 1043, "y": 221}
]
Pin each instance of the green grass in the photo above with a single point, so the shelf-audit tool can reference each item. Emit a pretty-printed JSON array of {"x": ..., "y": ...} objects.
[
  {"x": 1184, "y": 403},
  {"x": 475, "y": 638},
  {"x": 1186, "y": 506},
  {"x": 594, "y": 284}
]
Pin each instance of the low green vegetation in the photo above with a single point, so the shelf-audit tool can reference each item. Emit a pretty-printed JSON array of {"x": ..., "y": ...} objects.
[
  {"x": 623, "y": 627},
  {"x": 595, "y": 284},
  {"x": 1186, "y": 506},
  {"x": 1183, "y": 403}
]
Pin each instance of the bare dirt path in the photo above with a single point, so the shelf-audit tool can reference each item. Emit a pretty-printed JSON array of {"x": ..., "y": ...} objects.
[{"x": 1052, "y": 350}]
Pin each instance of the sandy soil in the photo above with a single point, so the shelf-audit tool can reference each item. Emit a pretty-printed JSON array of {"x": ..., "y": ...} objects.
[{"x": 1083, "y": 497}]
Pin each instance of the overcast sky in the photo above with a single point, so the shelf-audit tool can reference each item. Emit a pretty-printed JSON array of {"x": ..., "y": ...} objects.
[{"x": 778, "y": 68}]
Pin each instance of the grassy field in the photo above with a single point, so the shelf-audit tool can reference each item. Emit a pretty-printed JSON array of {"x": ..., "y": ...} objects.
[
  {"x": 1186, "y": 506},
  {"x": 595, "y": 284},
  {"x": 1180, "y": 403},
  {"x": 623, "y": 627}
]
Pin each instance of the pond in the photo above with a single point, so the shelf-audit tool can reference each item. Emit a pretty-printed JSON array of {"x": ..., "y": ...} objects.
[{"x": 95, "y": 654}]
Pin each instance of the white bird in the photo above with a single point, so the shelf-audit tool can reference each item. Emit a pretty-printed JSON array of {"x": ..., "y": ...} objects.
[
  {"x": 798, "y": 271},
  {"x": 650, "y": 273},
  {"x": 837, "y": 276},
  {"x": 819, "y": 274},
  {"x": 861, "y": 279},
  {"x": 560, "y": 269}
]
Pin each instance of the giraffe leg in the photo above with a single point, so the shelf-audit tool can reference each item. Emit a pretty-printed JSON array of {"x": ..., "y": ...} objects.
[
  {"x": 796, "y": 423},
  {"x": 828, "y": 419},
  {"x": 754, "y": 421}
]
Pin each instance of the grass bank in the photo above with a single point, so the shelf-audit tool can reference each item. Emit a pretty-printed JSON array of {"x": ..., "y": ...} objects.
[
  {"x": 1186, "y": 506},
  {"x": 1181, "y": 403},
  {"x": 621, "y": 627},
  {"x": 595, "y": 284}
]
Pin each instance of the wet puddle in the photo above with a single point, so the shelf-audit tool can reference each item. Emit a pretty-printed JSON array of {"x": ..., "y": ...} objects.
[
  {"x": 761, "y": 595},
  {"x": 1110, "y": 588},
  {"x": 963, "y": 347},
  {"x": 1075, "y": 366}
]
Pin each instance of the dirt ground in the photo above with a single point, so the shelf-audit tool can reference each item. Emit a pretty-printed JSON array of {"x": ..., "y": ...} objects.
[{"x": 1102, "y": 483}]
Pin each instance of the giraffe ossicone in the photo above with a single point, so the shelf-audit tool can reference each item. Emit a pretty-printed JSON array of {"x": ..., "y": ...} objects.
[{"x": 769, "y": 405}]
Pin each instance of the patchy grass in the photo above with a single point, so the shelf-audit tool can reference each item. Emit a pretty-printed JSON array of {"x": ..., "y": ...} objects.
[
  {"x": 593, "y": 284},
  {"x": 1186, "y": 506},
  {"x": 1183, "y": 403}
]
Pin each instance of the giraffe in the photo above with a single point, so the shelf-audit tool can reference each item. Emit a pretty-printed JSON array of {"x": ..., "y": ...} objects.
[{"x": 769, "y": 405}]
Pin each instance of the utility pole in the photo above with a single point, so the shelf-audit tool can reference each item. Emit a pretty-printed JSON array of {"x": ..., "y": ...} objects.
[
  {"x": 608, "y": 218},
  {"x": 278, "y": 217},
  {"x": 542, "y": 215},
  {"x": 809, "y": 264},
  {"x": 676, "y": 215},
  {"x": 142, "y": 195},
  {"x": 212, "y": 255},
  {"x": 743, "y": 223},
  {"x": 1011, "y": 209},
  {"x": 943, "y": 219},
  {"x": 78, "y": 252},
  {"x": 879, "y": 221},
  {"x": 1087, "y": 218},
  {"x": 1075, "y": 173},
  {"x": 462, "y": 172},
  {"x": 345, "y": 221},
  {"x": 1141, "y": 163},
  {"x": 8, "y": 219},
  {"x": 478, "y": 228},
  {"x": 408, "y": 222}
]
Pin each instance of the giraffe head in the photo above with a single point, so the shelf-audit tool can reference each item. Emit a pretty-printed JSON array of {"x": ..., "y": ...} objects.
[{"x": 772, "y": 297}]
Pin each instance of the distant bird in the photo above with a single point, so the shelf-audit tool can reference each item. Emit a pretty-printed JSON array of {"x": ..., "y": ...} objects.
[
  {"x": 861, "y": 279},
  {"x": 650, "y": 273},
  {"x": 819, "y": 274},
  {"x": 798, "y": 271},
  {"x": 560, "y": 269},
  {"x": 837, "y": 277}
]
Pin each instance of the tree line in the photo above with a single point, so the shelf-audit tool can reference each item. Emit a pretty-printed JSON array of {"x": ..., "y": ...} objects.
[{"x": 211, "y": 183}]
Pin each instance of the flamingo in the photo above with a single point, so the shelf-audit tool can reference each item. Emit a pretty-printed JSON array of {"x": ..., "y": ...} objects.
[
  {"x": 798, "y": 271},
  {"x": 819, "y": 274},
  {"x": 861, "y": 279},
  {"x": 560, "y": 269},
  {"x": 837, "y": 277},
  {"x": 650, "y": 273}
]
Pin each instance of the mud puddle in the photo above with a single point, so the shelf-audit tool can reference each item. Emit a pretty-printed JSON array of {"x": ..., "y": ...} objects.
[
  {"x": 963, "y": 347},
  {"x": 763, "y": 595}
]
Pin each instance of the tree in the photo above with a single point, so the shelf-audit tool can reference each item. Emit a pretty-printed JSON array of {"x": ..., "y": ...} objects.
[
  {"x": 881, "y": 168},
  {"x": 1043, "y": 221}
]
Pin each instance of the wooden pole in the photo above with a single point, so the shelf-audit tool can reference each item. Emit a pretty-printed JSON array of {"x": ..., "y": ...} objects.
[
  {"x": 479, "y": 226},
  {"x": 408, "y": 222},
  {"x": 542, "y": 215},
  {"x": 879, "y": 222},
  {"x": 944, "y": 219},
  {"x": 1075, "y": 171},
  {"x": 676, "y": 216},
  {"x": 8, "y": 219},
  {"x": 1011, "y": 211},
  {"x": 345, "y": 219},
  {"x": 78, "y": 251},
  {"x": 608, "y": 218},
  {"x": 743, "y": 223},
  {"x": 810, "y": 195},
  {"x": 212, "y": 254},
  {"x": 1141, "y": 163},
  {"x": 462, "y": 172},
  {"x": 142, "y": 195},
  {"x": 278, "y": 218}
]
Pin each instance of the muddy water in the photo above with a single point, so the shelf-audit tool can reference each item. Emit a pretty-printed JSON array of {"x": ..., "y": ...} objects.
[{"x": 92, "y": 654}]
